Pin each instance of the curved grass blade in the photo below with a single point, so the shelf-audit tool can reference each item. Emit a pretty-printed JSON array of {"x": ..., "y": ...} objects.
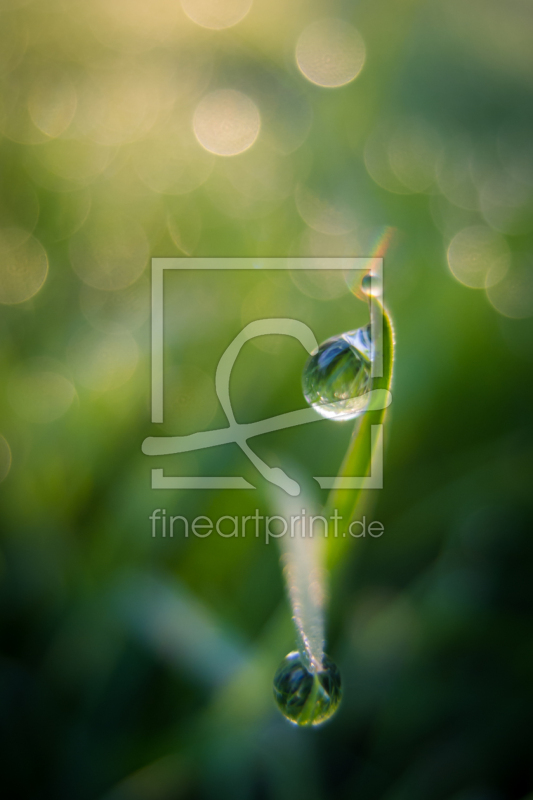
[{"x": 358, "y": 457}]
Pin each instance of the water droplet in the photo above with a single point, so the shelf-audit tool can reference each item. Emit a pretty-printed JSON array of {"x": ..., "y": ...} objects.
[
  {"x": 337, "y": 376},
  {"x": 307, "y": 696},
  {"x": 371, "y": 285}
]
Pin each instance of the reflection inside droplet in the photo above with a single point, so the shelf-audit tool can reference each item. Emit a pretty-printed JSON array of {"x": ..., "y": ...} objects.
[
  {"x": 304, "y": 695},
  {"x": 226, "y": 122},
  {"x": 371, "y": 285},
  {"x": 337, "y": 376},
  {"x": 330, "y": 52}
]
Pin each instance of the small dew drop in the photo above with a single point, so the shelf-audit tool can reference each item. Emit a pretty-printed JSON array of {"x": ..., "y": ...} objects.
[
  {"x": 371, "y": 285},
  {"x": 305, "y": 696},
  {"x": 337, "y": 376}
]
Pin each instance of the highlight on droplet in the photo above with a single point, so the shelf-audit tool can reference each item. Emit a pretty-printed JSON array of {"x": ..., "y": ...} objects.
[
  {"x": 226, "y": 122},
  {"x": 371, "y": 286},
  {"x": 307, "y": 694},
  {"x": 330, "y": 53}
]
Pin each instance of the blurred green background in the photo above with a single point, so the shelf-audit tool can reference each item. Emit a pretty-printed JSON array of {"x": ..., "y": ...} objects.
[{"x": 136, "y": 668}]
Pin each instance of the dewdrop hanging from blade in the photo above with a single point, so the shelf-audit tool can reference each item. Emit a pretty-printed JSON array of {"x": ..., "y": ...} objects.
[
  {"x": 307, "y": 684},
  {"x": 336, "y": 381}
]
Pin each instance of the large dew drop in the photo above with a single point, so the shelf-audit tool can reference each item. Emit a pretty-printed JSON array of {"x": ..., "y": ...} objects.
[
  {"x": 305, "y": 696},
  {"x": 337, "y": 376}
]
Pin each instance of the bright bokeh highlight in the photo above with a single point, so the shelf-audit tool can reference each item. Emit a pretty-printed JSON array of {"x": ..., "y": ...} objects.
[
  {"x": 330, "y": 53},
  {"x": 226, "y": 122}
]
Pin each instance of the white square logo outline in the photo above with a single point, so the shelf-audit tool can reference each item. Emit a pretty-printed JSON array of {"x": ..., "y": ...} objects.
[{"x": 167, "y": 445}]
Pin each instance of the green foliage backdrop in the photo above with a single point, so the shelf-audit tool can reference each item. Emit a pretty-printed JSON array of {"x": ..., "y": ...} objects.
[{"x": 134, "y": 667}]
